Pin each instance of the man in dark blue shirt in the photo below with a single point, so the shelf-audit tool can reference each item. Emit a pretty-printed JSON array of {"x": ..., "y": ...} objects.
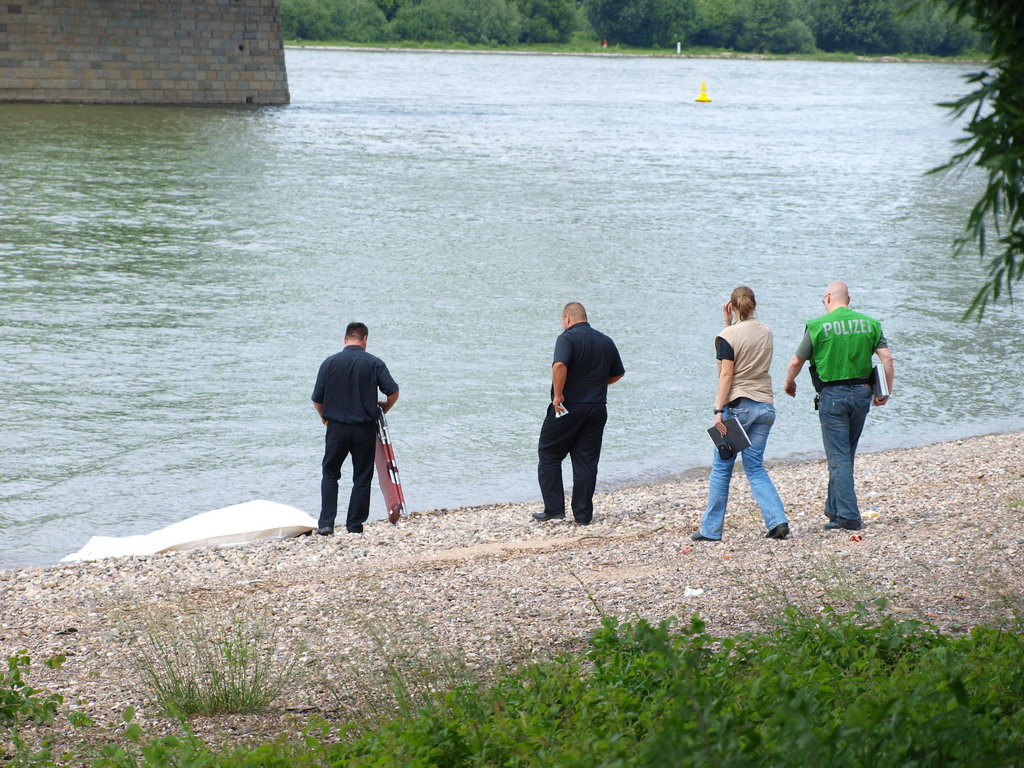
[
  {"x": 585, "y": 363},
  {"x": 345, "y": 396}
]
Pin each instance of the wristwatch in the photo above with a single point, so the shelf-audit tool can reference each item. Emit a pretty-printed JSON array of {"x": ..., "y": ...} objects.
[{"x": 717, "y": 411}]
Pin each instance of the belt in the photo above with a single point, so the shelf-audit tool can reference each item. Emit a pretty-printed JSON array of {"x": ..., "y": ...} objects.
[{"x": 841, "y": 382}]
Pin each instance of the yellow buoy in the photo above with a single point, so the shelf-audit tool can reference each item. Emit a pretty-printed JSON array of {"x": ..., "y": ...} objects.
[{"x": 703, "y": 93}]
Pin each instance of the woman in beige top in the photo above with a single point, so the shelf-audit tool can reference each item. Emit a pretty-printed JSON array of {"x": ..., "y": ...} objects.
[{"x": 744, "y": 352}]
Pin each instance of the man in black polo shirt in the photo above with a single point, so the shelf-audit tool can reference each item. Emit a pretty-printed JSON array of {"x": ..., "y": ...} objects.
[
  {"x": 586, "y": 362},
  {"x": 345, "y": 396}
]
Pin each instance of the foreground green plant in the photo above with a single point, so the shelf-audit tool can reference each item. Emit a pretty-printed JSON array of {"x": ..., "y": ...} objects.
[
  {"x": 206, "y": 664},
  {"x": 21, "y": 703},
  {"x": 852, "y": 689},
  {"x": 19, "y": 700},
  {"x": 994, "y": 142}
]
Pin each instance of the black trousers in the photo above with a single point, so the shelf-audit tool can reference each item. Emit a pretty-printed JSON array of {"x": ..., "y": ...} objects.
[
  {"x": 578, "y": 434},
  {"x": 360, "y": 440}
]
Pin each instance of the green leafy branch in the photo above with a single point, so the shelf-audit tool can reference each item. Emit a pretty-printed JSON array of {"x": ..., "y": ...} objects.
[{"x": 995, "y": 143}]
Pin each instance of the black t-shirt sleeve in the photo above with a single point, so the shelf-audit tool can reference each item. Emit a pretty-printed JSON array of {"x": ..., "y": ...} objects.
[
  {"x": 321, "y": 383},
  {"x": 385, "y": 382},
  {"x": 616, "y": 368},
  {"x": 724, "y": 350},
  {"x": 563, "y": 350}
]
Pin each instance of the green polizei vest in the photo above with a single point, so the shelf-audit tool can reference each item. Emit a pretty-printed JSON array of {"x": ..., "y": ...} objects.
[{"x": 843, "y": 342}]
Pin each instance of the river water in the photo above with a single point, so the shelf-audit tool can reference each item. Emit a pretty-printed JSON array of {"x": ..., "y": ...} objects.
[{"x": 171, "y": 278}]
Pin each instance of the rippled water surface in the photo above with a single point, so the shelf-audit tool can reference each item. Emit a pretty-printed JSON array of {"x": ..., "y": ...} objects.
[{"x": 171, "y": 278}]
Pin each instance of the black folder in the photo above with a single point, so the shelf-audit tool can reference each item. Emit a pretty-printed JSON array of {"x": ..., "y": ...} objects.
[{"x": 733, "y": 441}]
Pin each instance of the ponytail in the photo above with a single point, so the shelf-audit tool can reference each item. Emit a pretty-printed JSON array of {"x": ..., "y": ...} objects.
[{"x": 743, "y": 302}]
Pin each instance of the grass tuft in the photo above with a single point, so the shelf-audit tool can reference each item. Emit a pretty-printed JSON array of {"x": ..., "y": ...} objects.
[
  {"x": 401, "y": 665},
  {"x": 209, "y": 663}
]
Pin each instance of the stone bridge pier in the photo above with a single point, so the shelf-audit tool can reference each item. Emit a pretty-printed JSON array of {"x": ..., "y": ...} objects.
[{"x": 142, "y": 52}]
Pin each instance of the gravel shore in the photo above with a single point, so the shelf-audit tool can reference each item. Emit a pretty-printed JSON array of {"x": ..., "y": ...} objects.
[{"x": 488, "y": 588}]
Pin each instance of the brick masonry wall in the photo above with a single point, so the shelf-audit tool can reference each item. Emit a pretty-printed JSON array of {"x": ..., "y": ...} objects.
[{"x": 142, "y": 52}]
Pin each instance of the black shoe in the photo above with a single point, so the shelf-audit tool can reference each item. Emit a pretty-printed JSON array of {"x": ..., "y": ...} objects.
[
  {"x": 355, "y": 529},
  {"x": 542, "y": 516},
  {"x": 325, "y": 531},
  {"x": 780, "y": 531},
  {"x": 698, "y": 536},
  {"x": 582, "y": 522},
  {"x": 846, "y": 525}
]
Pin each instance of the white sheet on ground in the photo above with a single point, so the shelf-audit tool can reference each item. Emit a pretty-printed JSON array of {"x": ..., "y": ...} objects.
[{"x": 236, "y": 524}]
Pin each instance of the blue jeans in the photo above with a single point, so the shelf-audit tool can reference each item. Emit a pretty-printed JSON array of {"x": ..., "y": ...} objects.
[
  {"x": 842, "y": 410},
  {"x": 757, "y": 419}
]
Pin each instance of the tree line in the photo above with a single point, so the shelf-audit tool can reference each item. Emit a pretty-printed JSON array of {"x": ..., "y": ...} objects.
[{"x": 762, "y": 26}]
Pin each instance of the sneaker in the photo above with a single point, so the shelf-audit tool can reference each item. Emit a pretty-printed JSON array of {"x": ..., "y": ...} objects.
[
  {"x": 698, "y": 536},
  {"x": 846, "y": 525},
  {"x": 780, "y": 531}
]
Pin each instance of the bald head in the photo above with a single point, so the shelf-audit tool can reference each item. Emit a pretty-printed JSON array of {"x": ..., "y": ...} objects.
[
  {"x": 839, "y": 290},
  {"x": 836, "y": 295},
  {"x": 575, "y": 312}
]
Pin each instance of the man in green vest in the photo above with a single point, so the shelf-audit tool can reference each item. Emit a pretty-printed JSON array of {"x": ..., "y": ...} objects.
[{"x": 839, "y": 345}]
